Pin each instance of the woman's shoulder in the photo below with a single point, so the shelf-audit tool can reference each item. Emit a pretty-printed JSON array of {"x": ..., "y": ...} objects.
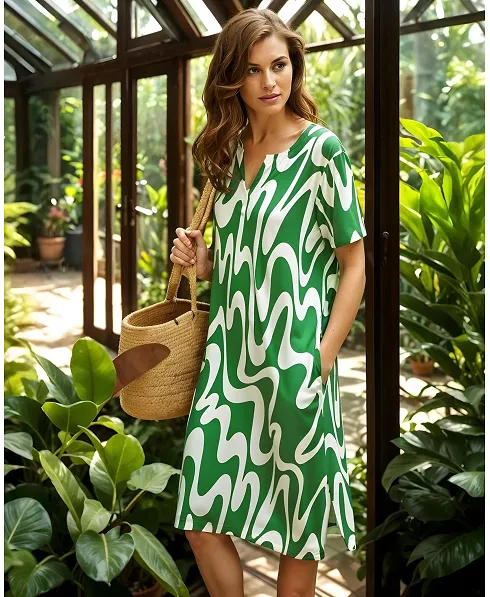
[{"x": 326, "y": 141}]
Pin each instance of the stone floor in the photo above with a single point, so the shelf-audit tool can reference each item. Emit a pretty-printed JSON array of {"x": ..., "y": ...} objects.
[{"x": 57, "y": 325}]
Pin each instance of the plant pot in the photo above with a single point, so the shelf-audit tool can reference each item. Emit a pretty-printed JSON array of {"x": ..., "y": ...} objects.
[
  {"x": 422, "y": 368},
  {"x": 51, "y": 249},
  {"x": 73, "y": 248}
]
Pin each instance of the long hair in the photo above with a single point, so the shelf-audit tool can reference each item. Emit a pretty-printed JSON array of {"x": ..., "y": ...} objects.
[{"x": 214, "y": 146}]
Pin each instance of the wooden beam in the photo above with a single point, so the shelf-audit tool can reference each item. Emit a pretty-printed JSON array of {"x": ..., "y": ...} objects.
[
  {"x": 123, "y": 27},
  {"x": 169, "y": 28},
  {"x": 303, "y": 13},
  {"x": 417, "y": 11},
  {"x": 22, "y": 67},
  {"x": 66, "y": 25},
  {"x": 25, "y": 50},
  {"x": 337, "y": 23},
  {"x": 109, "y": 212},
  {"x": 98, "y": 16},
  {"x": 25, "y": 18},
  {"x": 182, "y": 18},
  {"x": 382, "y": 294},
  {"x": 203, "y": 46},
  {"x": 233, "y": 6},
  {"x": 276, "y": 5},
  {"x": 220, "y": 13}
]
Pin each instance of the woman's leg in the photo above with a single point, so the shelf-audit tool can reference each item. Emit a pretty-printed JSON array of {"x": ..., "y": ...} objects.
[
  {"x": 296, "y": 578},
  {"x": 219, "y": 563}
]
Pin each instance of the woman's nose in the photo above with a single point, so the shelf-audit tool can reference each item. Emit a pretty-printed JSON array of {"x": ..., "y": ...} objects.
[{"x": 268, "y": 80}]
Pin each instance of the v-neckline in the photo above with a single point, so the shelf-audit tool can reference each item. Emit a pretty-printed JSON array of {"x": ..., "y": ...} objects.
[{"x": 267, "y": 156}]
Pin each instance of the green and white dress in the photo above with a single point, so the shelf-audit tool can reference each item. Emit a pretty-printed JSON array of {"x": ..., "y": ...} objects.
[{"x": 265, "y": 456}]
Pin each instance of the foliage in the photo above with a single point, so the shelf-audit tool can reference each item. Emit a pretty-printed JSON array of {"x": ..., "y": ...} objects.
[
  {"x": 436, "y": 534},
  {"x": 443, "y": 251},
  {"x": 55, "y": 222},
  {"x": 13, "y": 217},
  {"x": 77, "y": 501}
]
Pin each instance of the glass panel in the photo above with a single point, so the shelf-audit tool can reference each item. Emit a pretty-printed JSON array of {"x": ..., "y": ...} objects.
[
  {"x": 104, "y": 43},
  {"x": 316, "y": 29},
  {"x": 202, "y": 16},
  {"x": 47, "y": 22},
  {"x": 142, "y": 22},
  {"x": 116, "y": 211},
  {"x": 9, "y": 164},
  {"x": 437, "y": 10},
  {"x": 451, "y": 97},
  {"x": 352, "y": 12},
  {"x": 290, "y": 8},
  {"x": 40, "y": 44},
  {"x": 9, "y": 73},
  {"x": 99, "y": 205},
  {"x": 151, "y": 189}
]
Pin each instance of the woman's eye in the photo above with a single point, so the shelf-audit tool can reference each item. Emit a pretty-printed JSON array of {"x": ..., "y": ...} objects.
[{"x": 283, "y": 64}]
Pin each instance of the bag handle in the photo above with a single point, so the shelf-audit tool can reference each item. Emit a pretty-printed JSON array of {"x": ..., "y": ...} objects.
[{"x": 199, "y": 222}]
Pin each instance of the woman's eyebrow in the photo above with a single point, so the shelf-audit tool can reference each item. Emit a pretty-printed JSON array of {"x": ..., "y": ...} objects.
[{"x": 275, "y": 60}]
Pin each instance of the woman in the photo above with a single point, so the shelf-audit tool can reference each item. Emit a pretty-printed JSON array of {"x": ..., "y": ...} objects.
[{"x": 264, "y": 457}]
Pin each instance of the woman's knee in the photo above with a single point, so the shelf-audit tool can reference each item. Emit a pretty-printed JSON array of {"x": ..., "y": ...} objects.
[{"x": 199, "y": 539}]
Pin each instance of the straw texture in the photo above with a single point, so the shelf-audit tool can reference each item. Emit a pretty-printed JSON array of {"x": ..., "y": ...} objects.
[{"x": 166, "y": 391}]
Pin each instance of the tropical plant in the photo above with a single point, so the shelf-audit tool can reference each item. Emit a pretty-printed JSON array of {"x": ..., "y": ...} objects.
[
  {"x": 73, "y": 519},
  {"x": 442, "y": 254},
  {"x": 437, "y": 534},
  {"x": 13, "y": 217}
]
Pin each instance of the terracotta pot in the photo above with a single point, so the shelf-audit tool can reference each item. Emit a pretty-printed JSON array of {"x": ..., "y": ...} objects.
[
  {"x": 155, "y": 591},
  {"x": 421, "y": 367},
  {"x": 51, "y": 249}
]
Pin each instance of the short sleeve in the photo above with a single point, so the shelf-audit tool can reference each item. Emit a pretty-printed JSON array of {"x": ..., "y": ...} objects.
[{"x": 338, "y": 209}]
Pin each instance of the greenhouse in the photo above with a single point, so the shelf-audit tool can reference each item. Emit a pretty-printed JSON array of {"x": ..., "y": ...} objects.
[{"x": 103, "y": 101}]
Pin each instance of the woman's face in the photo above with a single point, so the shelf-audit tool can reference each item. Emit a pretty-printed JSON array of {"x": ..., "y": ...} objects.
[{"x": 270, "y": 72}]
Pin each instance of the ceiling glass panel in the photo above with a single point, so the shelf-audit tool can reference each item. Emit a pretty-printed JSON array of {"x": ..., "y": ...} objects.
[
  {"x": 142, "y": 22},
  {"x": 316, "y": 29},
  {"x": 9, "y": 72},
  {"x": 437, "y": 10},
  {"x": 202, "y": 16},
  {"x": 352, "y": 12},
  {"x": 47, "y": 22},
  {"x": 104, "y": 43},
  {"x": 108, "y": 8},
  {"x": 40, "y": 44}
]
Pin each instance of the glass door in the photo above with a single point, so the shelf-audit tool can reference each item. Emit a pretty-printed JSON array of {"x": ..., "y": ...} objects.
[{"x": 102, "y": 210}]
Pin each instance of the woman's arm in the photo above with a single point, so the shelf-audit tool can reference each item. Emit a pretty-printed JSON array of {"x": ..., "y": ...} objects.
[
  {"x": 346, "y": 304},
  {"x": 208, "y": 274}
]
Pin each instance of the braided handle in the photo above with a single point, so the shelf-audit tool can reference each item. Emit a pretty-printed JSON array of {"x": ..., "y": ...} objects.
[{"x": 199, "y": 222}]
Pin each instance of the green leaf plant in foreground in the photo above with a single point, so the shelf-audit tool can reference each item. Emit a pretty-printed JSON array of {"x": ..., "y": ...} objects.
[{"x": 98, "y": 536}]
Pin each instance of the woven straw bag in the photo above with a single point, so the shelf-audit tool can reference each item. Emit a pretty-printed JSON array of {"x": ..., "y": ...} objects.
[{"x": 161, "y": 347}]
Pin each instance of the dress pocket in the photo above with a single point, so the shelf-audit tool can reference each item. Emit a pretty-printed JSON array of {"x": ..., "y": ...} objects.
[{"x": 318, "y": 366}]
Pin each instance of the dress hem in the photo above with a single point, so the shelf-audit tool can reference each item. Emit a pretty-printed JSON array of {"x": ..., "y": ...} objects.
[{"x": 249, "y": 539}]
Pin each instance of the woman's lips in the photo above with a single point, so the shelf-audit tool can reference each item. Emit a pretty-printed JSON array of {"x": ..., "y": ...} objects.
[{"x": 269, "y": 100}]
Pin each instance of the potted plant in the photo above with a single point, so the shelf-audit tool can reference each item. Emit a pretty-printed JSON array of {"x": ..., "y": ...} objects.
[
  {"x": 436, "y": 534},
  {"x": 83, "y": 490},
  {"x": 51, "y": 241},
  {"x": 421, "y": 362}
]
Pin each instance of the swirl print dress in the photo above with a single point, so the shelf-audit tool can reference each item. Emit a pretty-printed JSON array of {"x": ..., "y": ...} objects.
[{"x": 264, "y": 456}]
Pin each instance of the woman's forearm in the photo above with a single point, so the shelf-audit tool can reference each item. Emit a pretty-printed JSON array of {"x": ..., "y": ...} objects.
[
  {"x": 208, "y": 274},
  {"x": 344, "y": 311}
]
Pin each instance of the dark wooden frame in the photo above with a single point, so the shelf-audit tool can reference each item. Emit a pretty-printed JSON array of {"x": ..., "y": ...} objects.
[{"x": 148, "y": 56}]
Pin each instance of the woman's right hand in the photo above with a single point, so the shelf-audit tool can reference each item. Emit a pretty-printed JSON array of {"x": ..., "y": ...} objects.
[{"x": 187, "y": 253}]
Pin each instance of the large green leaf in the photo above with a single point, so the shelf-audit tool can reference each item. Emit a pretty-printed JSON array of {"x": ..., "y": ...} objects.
[
  {"x": 99, "y": 476},
  {"x": 19, "y": 442},
  {"x": 473, "y": 482},
  {"x": 155, "y": 558},
  {"x": 462, "y": 424},
  {"x": 61, "y": 386},
  {"x": 427, "y": 505},
  {"x": 124, "y": 455},
  {"x": 400, "y": 465},
  {"x": 31, "y": 578},
  {"x": 103, "y": 557},
  {"x": 65, "y": 484},
  {"x": 152, "y": 477},
  {"x": 35, "y": 389},
  {"x": 26, "y": 524},
  {"x": 93, "y": 371},
  {"x": 95, "y": 517},
  {"x": 445, "y": 554},
  {"x": 29, "y": 411},
  {"x": 113, "y": 423},
  {"x": 7, "y": 468},
  {"x": 72, "y": 416}
]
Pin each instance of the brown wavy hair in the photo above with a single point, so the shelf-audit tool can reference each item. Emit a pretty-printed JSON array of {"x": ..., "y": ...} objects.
[{"x": 214, "y": 146}]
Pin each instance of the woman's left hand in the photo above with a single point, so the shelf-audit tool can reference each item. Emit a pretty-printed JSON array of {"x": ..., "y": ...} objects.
[{"x": 326, "y": 363}]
